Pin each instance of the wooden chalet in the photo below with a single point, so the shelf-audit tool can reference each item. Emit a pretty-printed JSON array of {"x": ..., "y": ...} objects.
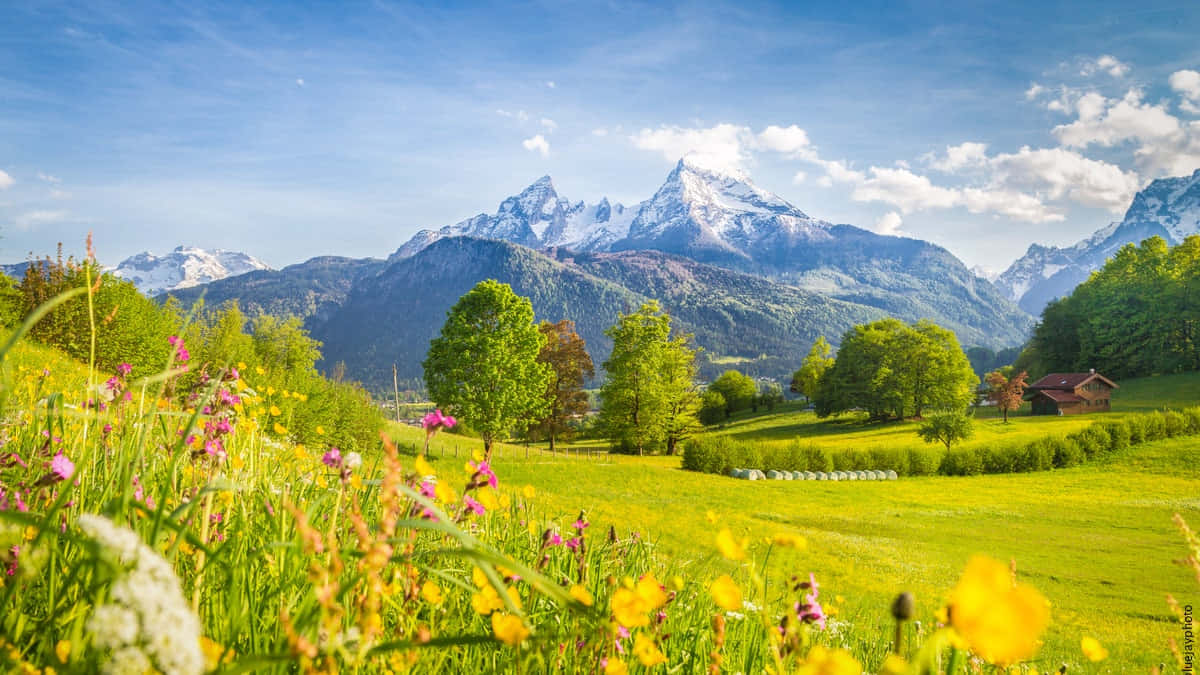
[{"x": 1071, "y": 394}]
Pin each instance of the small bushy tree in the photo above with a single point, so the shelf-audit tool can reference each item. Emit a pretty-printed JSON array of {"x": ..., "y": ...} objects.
[
  {"x": 1006, "y": 389},
  {"x": 946, "y": 427},
  {"x": 808, "y": 377},
  {"x": 566, "y": 354},
  {"x": 738, "y": 390}
]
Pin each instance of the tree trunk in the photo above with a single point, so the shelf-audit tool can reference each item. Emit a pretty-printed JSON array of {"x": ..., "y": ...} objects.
[
  {"x": 670, "y": 445},
  {"x": 487, "y": 449},
  {"x": 551, "y": 442},
  {"x": 1005, "y": 415}
]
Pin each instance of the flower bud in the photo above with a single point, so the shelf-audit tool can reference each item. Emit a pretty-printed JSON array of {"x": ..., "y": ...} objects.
[{"x": 903, "y": 606}]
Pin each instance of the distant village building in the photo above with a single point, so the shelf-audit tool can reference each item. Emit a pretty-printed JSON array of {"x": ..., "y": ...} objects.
[{"x": 1071, "y": 393}]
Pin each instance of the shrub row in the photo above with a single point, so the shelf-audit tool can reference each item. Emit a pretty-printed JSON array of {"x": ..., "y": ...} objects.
[{"x": 719, "y": 454}]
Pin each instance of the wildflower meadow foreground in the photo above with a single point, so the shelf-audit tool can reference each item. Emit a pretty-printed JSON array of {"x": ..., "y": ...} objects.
[{"x": 164, "y": 524}]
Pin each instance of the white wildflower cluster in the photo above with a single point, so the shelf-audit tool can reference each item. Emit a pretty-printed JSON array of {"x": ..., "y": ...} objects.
[{"x": 147, "y": 623}]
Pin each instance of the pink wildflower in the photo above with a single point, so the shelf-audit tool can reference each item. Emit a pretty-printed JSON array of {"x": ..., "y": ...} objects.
[
  {"x": 124, "y": 369},
  {"x": 61, "y": 467},
  {"x": 573, "y": 543},
  {"x": 484, "y": 470},
  {"x": 332, "y": 457},
  {"x": 472, "y": 505}
]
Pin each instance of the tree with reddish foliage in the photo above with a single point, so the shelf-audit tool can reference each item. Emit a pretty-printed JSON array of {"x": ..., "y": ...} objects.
[
  {"x": 566, "y": 354},
  {"x": 1006, "y": 391}
]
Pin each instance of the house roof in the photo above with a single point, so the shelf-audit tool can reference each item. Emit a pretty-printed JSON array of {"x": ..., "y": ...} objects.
[
  {"x": 1059, "y": 396},
  {"x": 1068, "y": 381}
]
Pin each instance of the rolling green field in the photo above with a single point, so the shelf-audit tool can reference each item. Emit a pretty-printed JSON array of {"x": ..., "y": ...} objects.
[{"x": 1097, "y": 540}]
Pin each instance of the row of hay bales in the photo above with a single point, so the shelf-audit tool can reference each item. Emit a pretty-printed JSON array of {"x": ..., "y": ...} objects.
[{"x": 755, "y": 474}]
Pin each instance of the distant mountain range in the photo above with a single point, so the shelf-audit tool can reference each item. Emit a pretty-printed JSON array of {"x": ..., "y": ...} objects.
[
  {"x": 1168, "y": 207},
  {"x": 184, "y": 267},
  {"x": 753, "y": 277}
]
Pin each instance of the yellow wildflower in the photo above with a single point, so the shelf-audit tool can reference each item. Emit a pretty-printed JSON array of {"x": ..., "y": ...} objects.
[
  {"x": 299, "y": 397},
  {"x": 213, "y": 652},
  {"x": 284, "y": 393},
  {"x": 822, "y": 661},
  {"x": 711, "y": 517},
  {"x": 632, "y": 604},
  {"x": 241, "y": 365},
  {"x": 63, "y": 650},
  {"x": 486, "y": 601},
  {"x": 237, "y": 462},
  {"x": 431, "y": 592},
  {"x": 894, "y": 664},
  {"x": 479, "y": 578},
  {"x": 616, "y": 667},
  {"x": 488, "y": 498},
  {"x": 423, "y": 467},
  {"x": 647, "y": 651},
  {"x": 509, "y": 628},
  {"x": 725, "y": 593},
  {"x": 320, "y": 430},
  {"x": 1001, "y": 620},
  {"x": 30, "y": 533},
  {"x": 729, "y": 546},
  {"x": 275, "y": 411},
  {"x": 445, "y": 494},
  {"x": 280, "y": 429},
  {"x": 528, "y": 492},
  {"x": 270, "y": 391},
  {"x": 259, "y": 370},
  {"x": 1092, "y": 649},
  {"x": 788, "y": 540},
  {"x": 582, "y": 595}
]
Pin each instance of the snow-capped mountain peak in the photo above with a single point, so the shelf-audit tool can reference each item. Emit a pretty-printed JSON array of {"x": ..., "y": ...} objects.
[
  {"x": 1167, "y": 207},
  {"x": 184, "y": 267}
]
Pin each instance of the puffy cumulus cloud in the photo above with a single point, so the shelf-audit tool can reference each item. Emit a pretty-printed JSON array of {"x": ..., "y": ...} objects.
[
  {"x": 959, "y": 157},
  {"x": 1105, "y": 64},
  {"x": 1187, "y": 84},
  {"x": 724, "y": 146},
  {"x": 903, "y": 189},
  {"x": 6, "y": 181},
  {"x": 537, "y": 144},
  {"x": 1058, "y": 173},
  {"x": 790, "y": 140},
  {"x": 1034, "y": 91},
  {"x": 799, "y": 177},
  {"x": 837, "y": 171},
  {"x": 1165, "y": 145},
  {"x": 889, "y": 223},
  {"x": 1015, "y": 205}
]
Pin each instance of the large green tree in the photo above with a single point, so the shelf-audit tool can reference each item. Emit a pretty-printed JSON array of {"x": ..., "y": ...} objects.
[
  {"x": 806, "y": 379},
  {"x": 894, "y": 370},
  {"x": 483, "y": 367},
  {"x": 649, "y": 399},
  {"x": 566, "y": 354}
]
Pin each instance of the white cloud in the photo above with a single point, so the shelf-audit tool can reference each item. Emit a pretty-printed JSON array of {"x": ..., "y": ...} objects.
[
  {"x": 520, "y": 114},
  {"x": 960, "y": 156},
  {"x": 723, "y": 146},
  {"x": 904, "y": 189},
  {"x": 537, "y": 144},
  {"x": 1034, "y": 91},
  {"x": 791, "y": 140},
  {"x": 59, "y": 194},
  {"x": 1058, "y": 173},
  {"x": 32, "y": 219},
  {"x": 299, "y": 82},
  {"x": 549, "y": 124},
  {"x": 1187, "y": 83},
  {"x": 1106, "y": 63},
  {"x": 889, "y": 223},
  {"x": 551, "y": 84},
  {"x": 838, "y": 172},
  {"x": 601, "y": 131},
  {"x": 6, "y": 181},
  {"x": 799, "y": 178},
  {"x": 1165, "y": 145},
  {"x": 825, "y": 181},
  {"x": 47, "y": 178}
]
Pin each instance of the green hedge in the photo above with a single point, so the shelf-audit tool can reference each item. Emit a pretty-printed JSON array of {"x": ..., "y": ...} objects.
[{"x": 720, "y": 454}]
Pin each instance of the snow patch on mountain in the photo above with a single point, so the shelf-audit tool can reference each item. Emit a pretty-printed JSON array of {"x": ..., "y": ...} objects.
[{"x": 184, "y": 267}]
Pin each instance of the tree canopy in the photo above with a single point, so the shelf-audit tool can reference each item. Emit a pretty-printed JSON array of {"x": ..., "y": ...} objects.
[
  {"x": 483, "y": 367},
  {"x": 650, "y": 398},
  {"x": 1138, "y": 315},
  {"x": 894, "y": 370},
  {"x": 806, "y": 379},
  {"x": 566, "y": 354},
  {"x": 737, "y": 389}
]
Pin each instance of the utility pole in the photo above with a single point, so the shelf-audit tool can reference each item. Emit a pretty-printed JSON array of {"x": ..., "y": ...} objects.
[{"x": 396, "y": 388}]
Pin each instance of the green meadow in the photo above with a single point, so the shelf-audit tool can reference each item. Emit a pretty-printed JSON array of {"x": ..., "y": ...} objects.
[{"x": 1097, "y": 540}]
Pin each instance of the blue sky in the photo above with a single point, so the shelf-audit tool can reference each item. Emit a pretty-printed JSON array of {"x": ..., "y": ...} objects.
[{"x": 341, "y": 128}]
